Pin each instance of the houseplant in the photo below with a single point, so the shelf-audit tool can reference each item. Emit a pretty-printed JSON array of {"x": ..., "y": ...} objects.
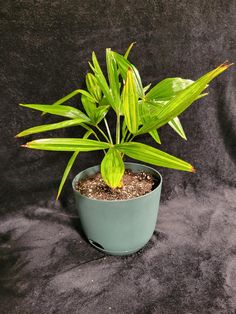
[{"x": 115, "y": 226}]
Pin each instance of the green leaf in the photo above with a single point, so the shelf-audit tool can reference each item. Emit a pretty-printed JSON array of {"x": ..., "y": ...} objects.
[
  {"x": 100, "y": 114},
  {"x": 113, "y": 78},
  {"x": 128, "y": 50},
  {"x": 153, "y": 156},
  {"x": 146, "y": 88},
  {"x": 93, "y": 87},
  {"x": 150, "y": 109},
  {"x": 182, "y": 100},
  {"x": 69, "y": 166},
  {"x": 154, "y": 134},
  {"x": 66, "y": 173},
  {"x": 72, "y": 94},
  {"x": 67, "y": 144},
  {"x": 96, "y": 114},
  {"x": 168, "y": 88},
  {"x": 130, "y": 103},
  {"x": 124, "y": 65},
  {"x": 92, "y": 67},
  {"x": 112, "y": 168},
  {"x": 177, "y": 127},
  {"x": 64, "y": 111},
  {"x": 85, "y": 93},
  {"x": 201, "y": 96},
  {"x": 49, "y": 127},
  {"x": 104, "y": 102},
  {"x": 65, "y": 98},
  {"x": 101, "y": 79},
  {"x": 89, "y": 106},
  {"x": 147, "y": 110}
]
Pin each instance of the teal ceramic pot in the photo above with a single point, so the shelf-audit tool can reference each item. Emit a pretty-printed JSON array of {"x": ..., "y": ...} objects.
[{"x": 119, "y": 227}]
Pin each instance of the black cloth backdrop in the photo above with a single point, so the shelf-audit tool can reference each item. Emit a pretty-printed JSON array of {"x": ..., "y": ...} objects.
[{"x": 45, "y": 47}]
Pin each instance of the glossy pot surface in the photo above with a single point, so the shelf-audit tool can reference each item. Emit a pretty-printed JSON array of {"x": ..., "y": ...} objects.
[{"x": 119, "y": 227}]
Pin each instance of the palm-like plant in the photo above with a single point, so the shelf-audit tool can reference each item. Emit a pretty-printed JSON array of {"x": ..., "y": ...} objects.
[{"x": 138, "y": 110}]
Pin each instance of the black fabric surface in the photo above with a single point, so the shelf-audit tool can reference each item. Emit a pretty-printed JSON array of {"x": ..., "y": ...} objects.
[
  {"x": 46, "y": 265},
  {"x": 189, "y": 265}
]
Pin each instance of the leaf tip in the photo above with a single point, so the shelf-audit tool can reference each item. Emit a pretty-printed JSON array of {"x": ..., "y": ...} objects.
[
  {"x": 193, "y": 170},
  {"x": 225, "y": 65},
  {"x": 24, "y": 145}
]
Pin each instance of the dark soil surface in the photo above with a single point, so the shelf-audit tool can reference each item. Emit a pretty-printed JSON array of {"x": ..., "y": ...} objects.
[{"x": 134, "y": 185}]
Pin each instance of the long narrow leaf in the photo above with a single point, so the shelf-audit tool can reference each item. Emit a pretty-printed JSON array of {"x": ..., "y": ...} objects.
[
  {"x": 153, "y": 156},
  {"x": 124, "y": 65},
  {"x": 71, "y": 95},
  {"x": 66, "y": 172},
  {"x": 96, "y": 114},
  {"x": 126, "y": 55},
  {"x": 89, "y": 106},
  {"x": 69, "y": 166},
  {"x": 182, "y": 100},
  {"x": 154, "y": 134},
  {"x": 88, "y": 95},
  {"x": 188, "y": 95},
  {"x": 113, "y": 78},
  {"x": 177, "y": 127},
  {"x": 130, "y": 103},
  {"x": 64, "y": 111},
  {"x": 67, "y": 144},
  {"x": 168, "y": 88},
  {"x": 112, "y": 168},
  {"x": 93, "y": 86},
  {"x": 146, "y": 88},
  {"x": 53, "y": 126},
  {"x": 100, "y": 113},
  {"x": 101, "y": 79}
]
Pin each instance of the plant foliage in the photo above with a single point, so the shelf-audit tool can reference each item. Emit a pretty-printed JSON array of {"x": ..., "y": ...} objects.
[{"x": 138, "y": 110}]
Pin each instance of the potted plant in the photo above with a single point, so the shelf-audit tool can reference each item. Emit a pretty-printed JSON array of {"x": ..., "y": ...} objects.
[{"x": 118, "y": 201}]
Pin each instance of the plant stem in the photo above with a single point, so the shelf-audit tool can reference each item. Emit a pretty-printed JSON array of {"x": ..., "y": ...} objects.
[
  {"x": 90, "y": 129},
  {"x": 108, "y": 130},
  {"x": 132, "y": 138},
  {"x": 123, "y": 137},
  {"x": 95, "y": 134},
  {"x": 103, "y": 134},
  {"x": 118, "y": 129},
  {"x": 128, "y": 137}
]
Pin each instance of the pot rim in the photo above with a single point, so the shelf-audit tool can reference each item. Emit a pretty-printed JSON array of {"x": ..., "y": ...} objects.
[{"x": 110, "y": 201}]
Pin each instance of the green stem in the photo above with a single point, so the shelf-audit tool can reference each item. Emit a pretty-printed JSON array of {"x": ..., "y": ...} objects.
[
  {"x": 123, "y": 137},
  {"x": 90, "y": 129},
  {"x": 118, "y": 129},
  {"x": 93, "y": 132},
  {"x": 103, "y": 134},
  {"x": 132, "y": 138},
  {"x": 108, "y": 130},
  {"x": 128, "y": 137}
]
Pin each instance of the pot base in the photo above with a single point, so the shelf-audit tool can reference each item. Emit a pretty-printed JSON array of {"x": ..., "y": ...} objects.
[{"x": 116, "y": 253}]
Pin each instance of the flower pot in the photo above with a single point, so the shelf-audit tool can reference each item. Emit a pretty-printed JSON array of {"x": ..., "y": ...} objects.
[{"x": 119, "y": 227}]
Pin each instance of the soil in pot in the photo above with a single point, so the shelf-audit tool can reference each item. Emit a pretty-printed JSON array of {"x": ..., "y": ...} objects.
[{"x": 134, "y": 184}]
